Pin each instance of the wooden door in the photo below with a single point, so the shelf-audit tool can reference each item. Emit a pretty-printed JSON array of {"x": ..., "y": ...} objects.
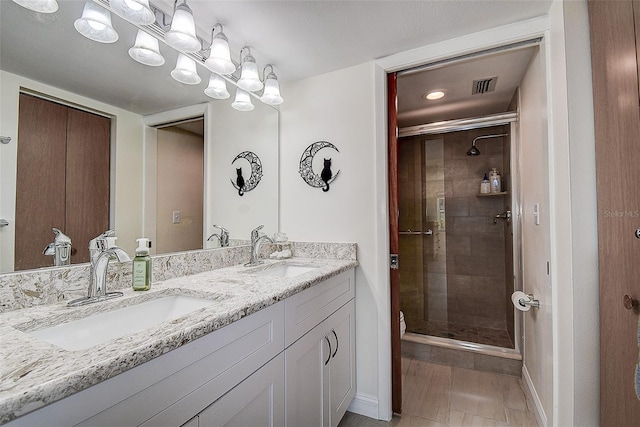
[
  {"x": 394, "y": 243},
  {"x": 63, "y": 179},
  {"x": 40, "y": 180},
  {"x": 614, "y": 50},
  {"x": 87, "y": 179}
]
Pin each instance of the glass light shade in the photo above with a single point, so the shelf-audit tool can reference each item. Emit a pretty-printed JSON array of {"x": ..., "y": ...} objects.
[
  {"x": 185, "y": 71},
  {"x": 271, "y": 94},
  {"x": 182, "y": 34},
  {"x": 219, "y": 60},
  {"x": 95, "y": 24},
  {"x": 249, "y": 77},
  {"x": 146, "y": 50},
  {"x": 135, "y": 11},
  {"x": 42, "y": 6},
  {"x": 242, "y": 101},
  {"x": 217, "y": 88}
]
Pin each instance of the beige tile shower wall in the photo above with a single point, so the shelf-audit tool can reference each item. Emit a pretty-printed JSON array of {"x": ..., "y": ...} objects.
[{"x": 475, "y": 245}]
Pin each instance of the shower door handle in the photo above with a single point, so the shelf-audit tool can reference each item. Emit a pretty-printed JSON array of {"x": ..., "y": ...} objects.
[{"x": 416, "y": 233}]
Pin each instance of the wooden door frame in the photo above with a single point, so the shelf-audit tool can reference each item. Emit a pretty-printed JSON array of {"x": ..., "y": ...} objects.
[{"x": 394, "y": 244}]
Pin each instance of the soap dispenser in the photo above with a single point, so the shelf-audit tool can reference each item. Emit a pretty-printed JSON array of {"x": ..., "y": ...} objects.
[
  {"x": 496, "y": 183},
  {"x": 142, "y": 266},
  {"x": 485, "y": 185}
]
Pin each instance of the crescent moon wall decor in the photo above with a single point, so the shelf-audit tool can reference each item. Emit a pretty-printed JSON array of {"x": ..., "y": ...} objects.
[
  {"x": 240, "y": 183},
  {"x": 306, "y": 166}
]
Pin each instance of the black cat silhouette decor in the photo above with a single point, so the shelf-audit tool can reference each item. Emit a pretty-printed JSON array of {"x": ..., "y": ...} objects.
[
  {"x": 245, "y": 185},
  {"x": 326, "y": 177},
  {"x": 240, "y": 181}
]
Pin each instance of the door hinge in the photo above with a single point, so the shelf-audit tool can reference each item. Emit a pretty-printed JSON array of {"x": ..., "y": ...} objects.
[{"x": 394, "y": 261}]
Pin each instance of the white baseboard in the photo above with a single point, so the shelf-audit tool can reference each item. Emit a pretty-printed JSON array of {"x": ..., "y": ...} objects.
[
  {"x": 532, "y": 395},
  {"x": 364, "y": 404}
]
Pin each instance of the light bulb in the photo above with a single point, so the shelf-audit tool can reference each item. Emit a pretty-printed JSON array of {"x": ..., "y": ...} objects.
[
  {"x": 249, "y": 77},
  {"x": 242, "y": 101},
  {"x": 271, "y": 94},
  {"x": 136, "y": 11},
  {"x": 42, "y": 6},
  {"x": 182, "y": 34},
  {"x": 217, "y": 88},
  {"x": 95, "y": 24},
  {"x": 219, "y": 60},
  {"x": 146, "y": 50},
  {"x": 185, "y": 71}
]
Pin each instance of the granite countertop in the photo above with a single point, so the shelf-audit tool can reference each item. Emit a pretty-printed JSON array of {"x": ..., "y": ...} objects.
[{"x": 34, "y": 373}]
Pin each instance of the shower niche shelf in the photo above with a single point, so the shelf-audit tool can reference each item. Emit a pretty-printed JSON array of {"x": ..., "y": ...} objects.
[{"x": 502, "y": 193}]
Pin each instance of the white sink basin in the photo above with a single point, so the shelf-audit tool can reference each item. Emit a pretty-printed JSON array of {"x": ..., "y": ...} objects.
[
  {"x": 285, "y": 270},
  {"x": 99, "y": 328}
]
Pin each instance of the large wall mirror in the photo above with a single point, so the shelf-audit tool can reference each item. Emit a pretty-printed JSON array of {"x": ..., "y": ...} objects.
[{"x": 43, "y": 56}]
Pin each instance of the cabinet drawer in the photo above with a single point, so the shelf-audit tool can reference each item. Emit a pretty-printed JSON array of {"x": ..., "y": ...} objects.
[
  {"x": 307, "y": 309},
  {"x": 235, "y": 352}
]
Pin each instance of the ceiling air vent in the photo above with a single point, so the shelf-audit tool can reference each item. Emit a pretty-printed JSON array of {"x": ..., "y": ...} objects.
[{"x": 484, "y": 85}]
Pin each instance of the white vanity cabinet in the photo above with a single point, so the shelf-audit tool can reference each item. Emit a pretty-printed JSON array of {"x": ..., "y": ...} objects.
[
  {"x": 320, "y": 365},
  {"x": 292, "y": 363}
]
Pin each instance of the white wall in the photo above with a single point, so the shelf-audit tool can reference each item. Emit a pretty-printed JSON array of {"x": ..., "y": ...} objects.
[
  {"x": 126, "y": 176},
  {"x": 576, "y": 322},
  {"x": 338, "y": 107},
  {"x": 534, "y": 172}
]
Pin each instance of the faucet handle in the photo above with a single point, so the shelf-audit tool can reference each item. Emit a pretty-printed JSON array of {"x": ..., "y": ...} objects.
[
  {"x": 222, "y": 229},
  {"x": 100, "y": 242},
  {"x": 256, "y": 232}
]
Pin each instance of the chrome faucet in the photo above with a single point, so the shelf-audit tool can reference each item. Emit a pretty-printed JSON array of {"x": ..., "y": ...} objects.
[
  {"x": 101, "y": 250},
  {"x": 256, "y": 240},
  {"x": 60, "y": 249},
  {"x": 223, "y": 236}
]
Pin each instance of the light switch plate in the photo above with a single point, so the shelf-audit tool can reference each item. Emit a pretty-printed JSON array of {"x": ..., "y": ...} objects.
[
  {"x": 536, "y": 214},
  {"x": 176, "y": 217}
]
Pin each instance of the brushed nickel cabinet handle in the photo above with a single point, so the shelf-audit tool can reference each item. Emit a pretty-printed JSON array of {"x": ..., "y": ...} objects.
[{"x": 329, "y": 357}]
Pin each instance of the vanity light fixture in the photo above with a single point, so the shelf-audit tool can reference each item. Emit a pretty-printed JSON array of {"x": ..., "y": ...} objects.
[
  {"x": 185, "y": 71},
  {"x": 95, "y": 24},
  {"x": 242, "y": 101},
  {"x": 434, "y": 94},
  {"x": 217, "y": 88},
  {"x": 42, "y": 6},
  {"x": 249, "y": 75},
  {"x": 271, "y": 93},
  {"x": 182, "y": 34},
  {"x": 219, "y": 60},
  {"x": 137, "y": 12},
  {"x": 146, "y": 50}
]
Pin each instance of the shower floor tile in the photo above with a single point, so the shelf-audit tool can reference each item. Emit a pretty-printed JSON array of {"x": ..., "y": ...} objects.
[{"x": 457, "y": 331}]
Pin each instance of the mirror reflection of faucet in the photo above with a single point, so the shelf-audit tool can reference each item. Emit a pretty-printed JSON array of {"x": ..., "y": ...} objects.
[
  {"x": 223, "y": 236},
  {"x": 101, "y": 250},
  {"x": 256, "y": 240},
  {"x": 60, "y": 249}
]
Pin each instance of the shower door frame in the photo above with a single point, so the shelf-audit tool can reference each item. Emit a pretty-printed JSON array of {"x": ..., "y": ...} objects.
[{"x": 510, "y": 119}]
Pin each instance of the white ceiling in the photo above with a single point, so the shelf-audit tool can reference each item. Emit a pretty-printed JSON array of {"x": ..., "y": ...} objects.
[{"x": 300, "y": 38}]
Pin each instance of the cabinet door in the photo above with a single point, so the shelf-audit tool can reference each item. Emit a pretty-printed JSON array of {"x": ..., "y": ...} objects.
[
  {"x": 342, "y": 387},
  {"x": 193, "y": 422},
  {"x": 306, "y": 372},
  {"x": 257, "y": 401}
]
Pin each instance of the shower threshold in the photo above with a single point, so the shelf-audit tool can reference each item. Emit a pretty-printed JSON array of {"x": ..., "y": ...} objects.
[{"x": 488, "y": 350}]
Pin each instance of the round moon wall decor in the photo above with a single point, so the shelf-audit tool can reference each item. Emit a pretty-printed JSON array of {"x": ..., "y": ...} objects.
[
  {"x": 326, "y": 177},
  {"x": 240, "y": 183}
]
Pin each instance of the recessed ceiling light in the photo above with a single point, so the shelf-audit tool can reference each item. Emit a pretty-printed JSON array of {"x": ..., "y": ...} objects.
[{"x": 433, "y": 95}]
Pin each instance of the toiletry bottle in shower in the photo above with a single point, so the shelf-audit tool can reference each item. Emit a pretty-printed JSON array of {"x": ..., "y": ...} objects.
[
  {"x": 485, "y": 185},
  {"x": 142, "y": 266},
  {"x": 494, "y": 178}
]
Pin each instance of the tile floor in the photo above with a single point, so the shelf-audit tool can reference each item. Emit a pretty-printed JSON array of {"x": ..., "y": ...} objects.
[{"x": 439, "y": 395}]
